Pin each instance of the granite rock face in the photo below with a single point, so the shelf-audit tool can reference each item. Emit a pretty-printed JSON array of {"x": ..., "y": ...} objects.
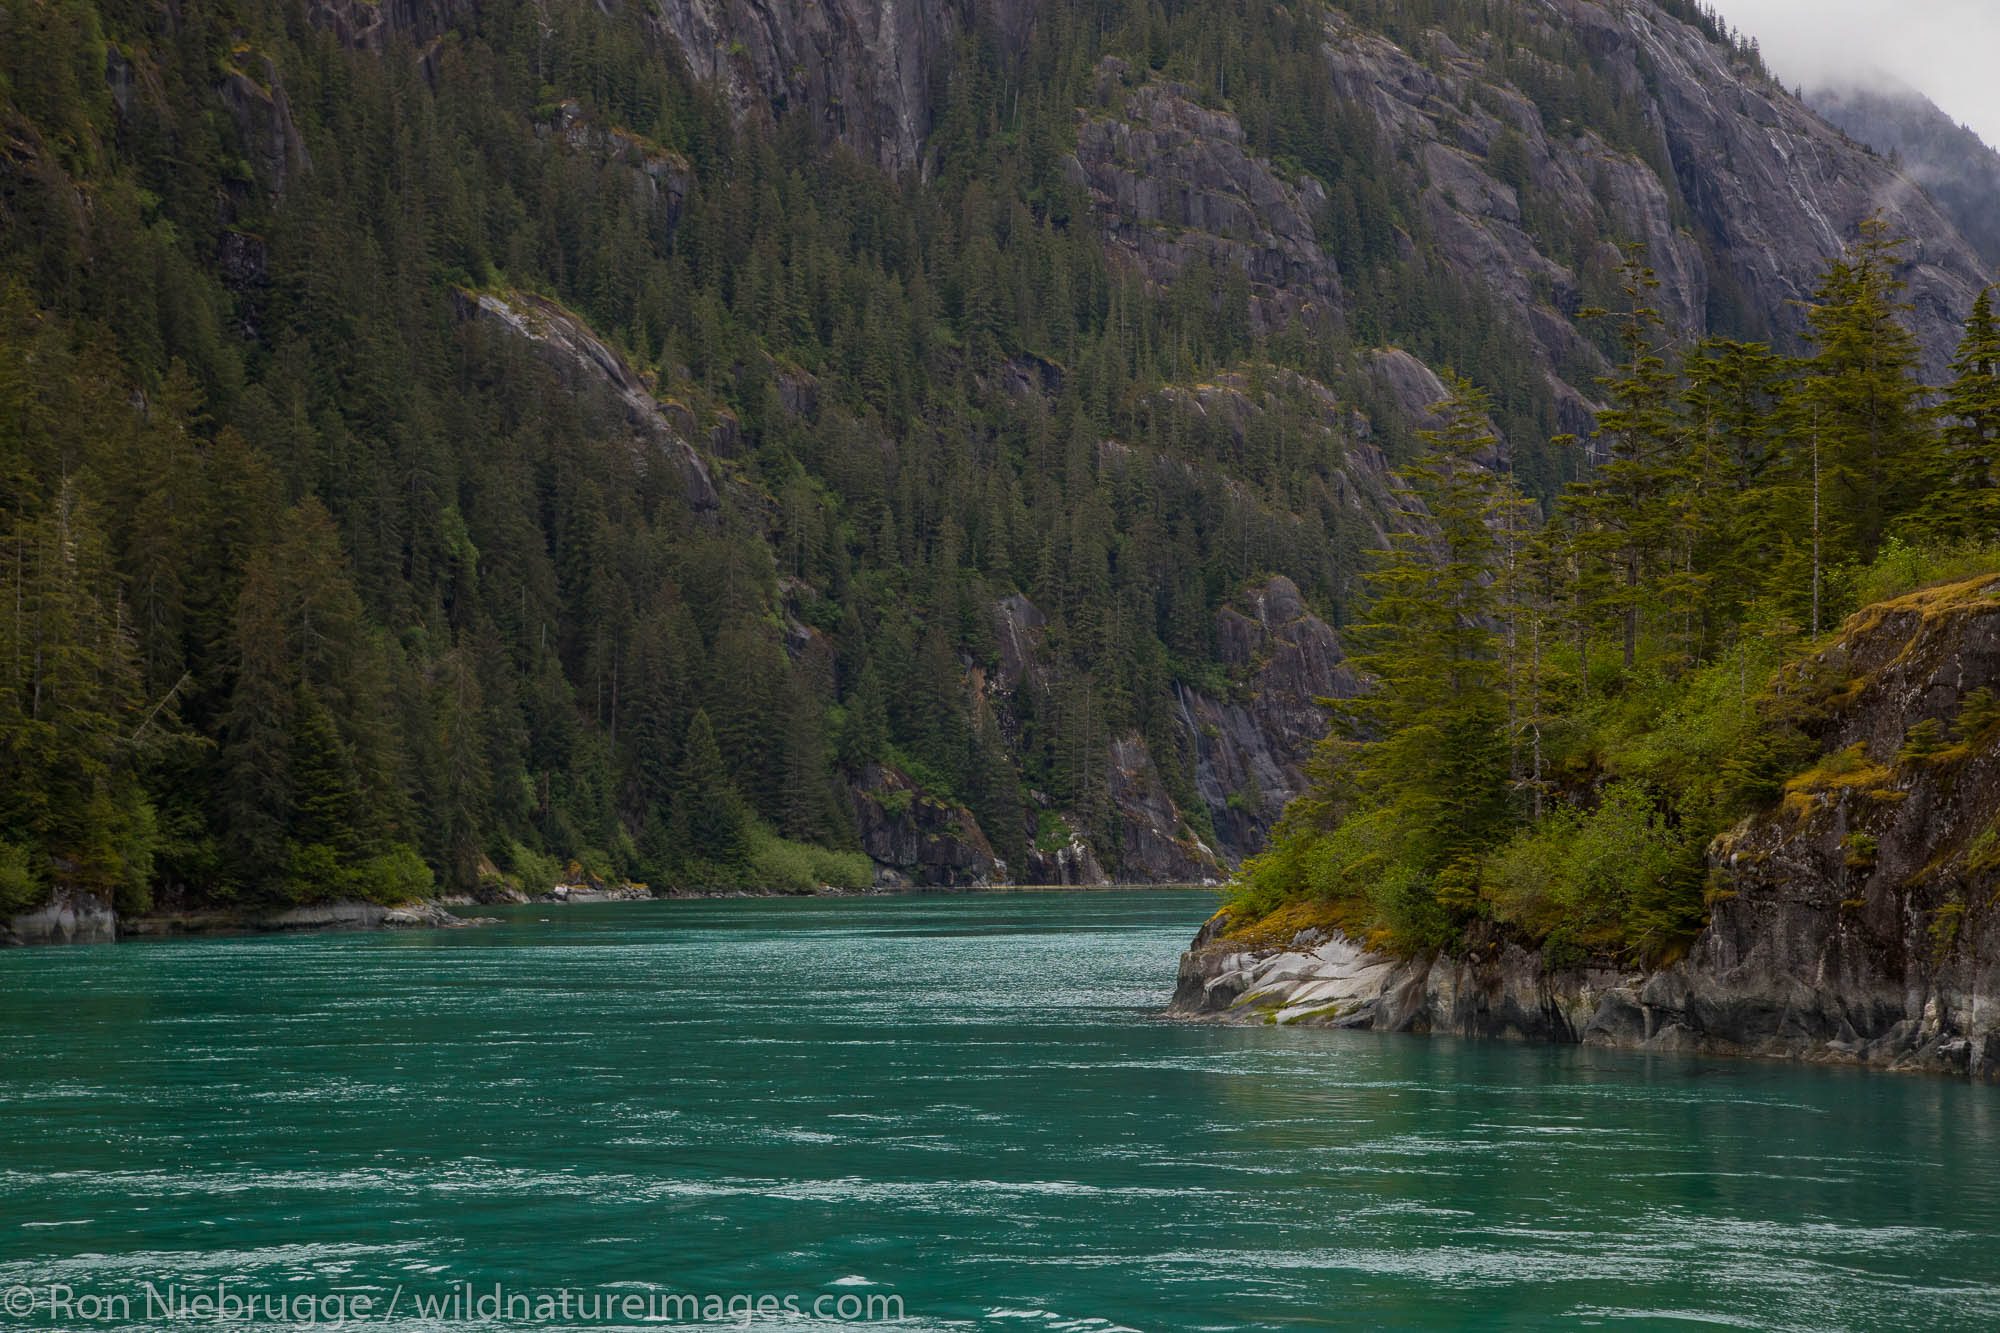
[
  {"x": 263, "y": 114},
  {"x": 1251, "y": 748},
  {"x": 70, "y": 916},
  {"x": 1170, "y": 181},
  {"x": 917, "y": 838},
  {"x": 659, "y": 177},
  {"x": 1741, "y": 199},
  {"x": 1248, "y": 748},
  {"x": 1745, "y": 198},
  {"x": 1155, "y": 844},
  {"x": 1856, "y": 922},
  {"x": 870, "y": 74},
  {"x": 586, "y": 367},
  {"x": 370, "y": 25}
]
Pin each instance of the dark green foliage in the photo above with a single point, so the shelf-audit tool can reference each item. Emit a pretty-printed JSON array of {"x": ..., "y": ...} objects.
[
  {"x": 711, "y": 828},
  {"x": 1967, "y": 503},
  {"x": 311, "y": 578},
  {"x": 1734, "y": 497},
  {"x": 1922, "y": 741},
  {"x": 356, "y": 577}
]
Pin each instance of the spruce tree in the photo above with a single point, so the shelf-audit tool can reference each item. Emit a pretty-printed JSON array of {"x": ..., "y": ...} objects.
[
  {"x": 1429, "y": 735},
  {"x": 710, "y": 831},
  {"x": 1860, "y": 404},
  {"x": 1741, "y": 507},
  {"x": 1967, "y": 502},
  {"x": 1626, "y": 508}
]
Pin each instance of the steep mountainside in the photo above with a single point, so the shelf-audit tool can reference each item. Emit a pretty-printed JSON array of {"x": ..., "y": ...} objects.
[
  {"x": 1852, "y": 921},
  {"x": 1961, "y": 171},
  {"x": 704, "y": 440},
  {"x": 1511, "y": 144}
]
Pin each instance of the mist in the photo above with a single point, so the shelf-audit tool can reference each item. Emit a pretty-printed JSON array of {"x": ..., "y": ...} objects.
[{"x": 1948, "y": 50}]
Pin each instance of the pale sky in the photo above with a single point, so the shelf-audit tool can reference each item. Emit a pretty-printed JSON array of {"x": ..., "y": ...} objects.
[{"x": 1949, "y": 50}]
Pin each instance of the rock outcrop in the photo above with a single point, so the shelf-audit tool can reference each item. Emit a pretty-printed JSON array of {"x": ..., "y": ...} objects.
[
  {"x": 586, "y": 367},
  {"x": 1251, "y": 746},
  {"x": 660, "y": 177},
  {"x": 1155, "y": 844},
  {"x": 1320, "y": 977},
  {"x": 68, "y": 917},
  {"x": 1170, "y": 180},
  {"x": 1855, "y": 922},
  {"x": 868, "y": 74},
  {"x": 917, "y": 839},
  {"x": 263, "y": 115},
  {"x": 1063, "y": 857},
  {"x": 370, "y": 25}
]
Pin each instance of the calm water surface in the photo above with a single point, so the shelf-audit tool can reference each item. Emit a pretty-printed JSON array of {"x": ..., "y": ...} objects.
[{"x": 970, "y": 1103}]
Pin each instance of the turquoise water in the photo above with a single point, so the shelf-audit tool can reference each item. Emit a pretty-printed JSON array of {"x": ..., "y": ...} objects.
[{"x": 970, "y": 1104}]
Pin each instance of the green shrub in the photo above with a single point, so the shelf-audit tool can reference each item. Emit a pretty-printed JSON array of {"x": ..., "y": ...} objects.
[
  {"x": 1983, "y": 854},
  {"x": 1978, "y": 716},
  {"x": 1052, "y": 832},
  {"x": 1922, "y": 741},
  {"x": 1623, "y": 875},
  {"x": 313, "y": 874},
  {"x": 1522, "y": 875},
  {"x": 398, "y": 875},
  {"x": 1411, "y": 917},
  {"x": 20, "y": 890},
  {"x": 1945, "y": 925},
  {"x": 1902, "y": 568},
  {"x": 535, "y": 873},
  {"x": 797, "y": 867}
]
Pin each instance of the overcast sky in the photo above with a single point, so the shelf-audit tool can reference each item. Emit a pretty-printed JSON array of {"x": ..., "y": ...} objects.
[{"x": 1947, "y": 49}]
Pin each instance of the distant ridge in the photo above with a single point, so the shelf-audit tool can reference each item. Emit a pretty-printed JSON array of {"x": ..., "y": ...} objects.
[{"x": 1961, "y": 171}]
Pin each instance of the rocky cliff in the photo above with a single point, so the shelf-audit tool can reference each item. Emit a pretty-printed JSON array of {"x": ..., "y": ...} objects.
[
  {"x": 1853, "y": 922},
  {"x": 916, "y": 838},
  {"x": 1249, "y": 742},
  {"x": 1170, "y": 180},
  {"x": 1739, "y": 190},
  {"x": 1516, "y": 151},
  {"x": 68, "y": 917},
  {"x": 1960, "y": 170},
  {"x": 1741, "y": 199},
  {"x": 867, "y": 74}
]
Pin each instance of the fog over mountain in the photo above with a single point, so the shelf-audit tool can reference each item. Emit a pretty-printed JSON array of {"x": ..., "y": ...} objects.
[
  {"x": 1944, "y": 48},
  {"x": 1958, "y": 168}
]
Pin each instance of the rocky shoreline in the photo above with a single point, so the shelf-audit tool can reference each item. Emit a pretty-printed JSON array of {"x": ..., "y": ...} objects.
[
  {"x": 1506, "y": 992},
  {"x": 85, "y": 918},
  {"x": 72, "y": 917},
  {"x": 1853, "y": 922}
]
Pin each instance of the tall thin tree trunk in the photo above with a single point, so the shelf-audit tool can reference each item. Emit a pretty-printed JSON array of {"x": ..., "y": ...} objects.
[
  {"x": 1816, "y": 532},
  {"x": 1632, "y": 613}
]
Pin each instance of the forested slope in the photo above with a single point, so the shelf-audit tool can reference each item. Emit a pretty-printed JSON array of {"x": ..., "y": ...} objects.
[{"x": 457, "y": 439}]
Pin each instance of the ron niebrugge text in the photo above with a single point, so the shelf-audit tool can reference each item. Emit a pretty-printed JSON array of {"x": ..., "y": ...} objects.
[{"x": 58, "y": 1303}]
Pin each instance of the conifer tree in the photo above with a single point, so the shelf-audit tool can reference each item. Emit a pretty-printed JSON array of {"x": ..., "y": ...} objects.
[
  {"x": 1740, "y": 511},
  {"x": 1626, "y": 508},
  {"x": 710, "y": 829},
  {"x": 1860, "y": 403},
  {"x": 1428, "y": 736},
  {"x": 1967, "y": 502}
]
